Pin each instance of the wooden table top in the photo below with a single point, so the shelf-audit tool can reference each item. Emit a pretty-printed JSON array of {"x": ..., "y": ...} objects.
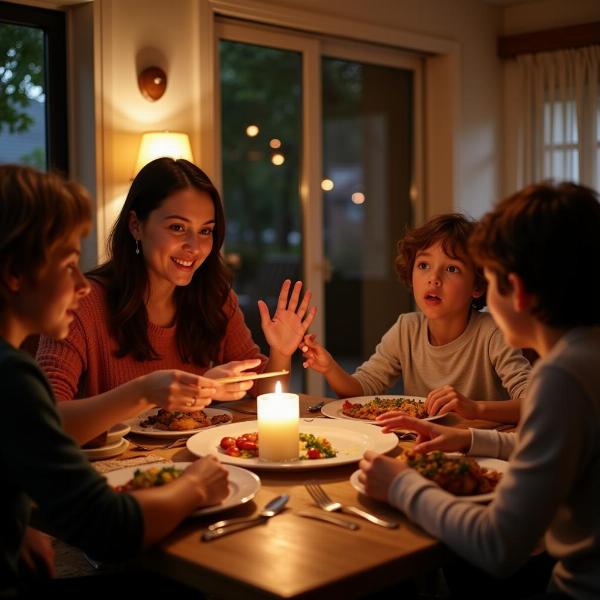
[{"x": 291, "y": 556}]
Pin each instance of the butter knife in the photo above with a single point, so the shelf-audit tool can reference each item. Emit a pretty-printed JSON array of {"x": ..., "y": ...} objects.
[
  {"x": 329, "y": 519},
  {"x": 272, "y": 508}
]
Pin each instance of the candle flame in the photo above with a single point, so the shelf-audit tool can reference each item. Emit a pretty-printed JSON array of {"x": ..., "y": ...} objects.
[{"x": 278, "y": 388}]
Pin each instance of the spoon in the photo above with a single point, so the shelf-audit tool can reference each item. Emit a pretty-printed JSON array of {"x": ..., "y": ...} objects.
[{"x": 221, "y": 528}]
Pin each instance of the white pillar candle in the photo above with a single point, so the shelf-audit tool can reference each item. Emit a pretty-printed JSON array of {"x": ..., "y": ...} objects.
[{"x": 278, "y": 426}]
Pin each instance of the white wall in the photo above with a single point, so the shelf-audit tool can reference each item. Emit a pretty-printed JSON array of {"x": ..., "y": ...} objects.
[{"x": 130, "y": 33}]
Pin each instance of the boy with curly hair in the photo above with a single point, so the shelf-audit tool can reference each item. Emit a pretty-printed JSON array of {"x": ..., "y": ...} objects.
[{"x": 448, "y": 351}]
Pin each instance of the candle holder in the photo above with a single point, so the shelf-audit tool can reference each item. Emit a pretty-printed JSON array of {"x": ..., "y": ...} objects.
[{"x": 278, "y": 426}]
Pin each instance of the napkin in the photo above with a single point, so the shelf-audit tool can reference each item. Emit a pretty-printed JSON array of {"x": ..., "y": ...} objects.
[{"x": 103, "y": 466}]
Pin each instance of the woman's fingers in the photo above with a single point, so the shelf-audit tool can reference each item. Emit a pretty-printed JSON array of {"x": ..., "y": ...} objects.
[
  {"x": 238, "y": 366},
  {"x": 282, "y": 301},
  {"x": 304, "y": 304},
  {"x": 309, "y": 318},
  {"x": 265, "y": 316},
  {"x": 293, "y": 303}
]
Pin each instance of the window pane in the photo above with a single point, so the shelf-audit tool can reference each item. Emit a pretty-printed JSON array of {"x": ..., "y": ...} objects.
[
  {"x": 22, "y": 96},
  {"x": 261, "y": 110},
  {"x": 367, "y": 166}
]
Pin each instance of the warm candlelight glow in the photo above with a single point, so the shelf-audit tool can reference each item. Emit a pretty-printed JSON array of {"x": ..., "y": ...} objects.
[{"x": 278, "y": 425}]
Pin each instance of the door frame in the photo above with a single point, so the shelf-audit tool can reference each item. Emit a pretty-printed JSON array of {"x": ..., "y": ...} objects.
[{"x": 313, "y": 48}]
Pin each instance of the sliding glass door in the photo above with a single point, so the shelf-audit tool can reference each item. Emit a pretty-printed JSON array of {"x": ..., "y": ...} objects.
[{"x": 320, "y": 173}]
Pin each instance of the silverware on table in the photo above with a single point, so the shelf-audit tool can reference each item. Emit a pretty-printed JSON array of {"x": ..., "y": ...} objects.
[
  {"x": 316, "y": 407},
  {"x": 221, "y": 528},
  {"x": 326, "y": 503},
  {"x": 173, "y": 444},
  {"x": 329, "y": 519}
]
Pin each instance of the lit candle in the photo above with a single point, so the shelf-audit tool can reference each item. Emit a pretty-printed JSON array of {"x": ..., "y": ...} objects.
[{"x": 278, "y": 426}]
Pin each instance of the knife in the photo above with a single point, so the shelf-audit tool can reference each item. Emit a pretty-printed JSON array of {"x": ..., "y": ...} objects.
[
  {"x": 272, "y": 508},
  {"x": 329, "y": 519}
]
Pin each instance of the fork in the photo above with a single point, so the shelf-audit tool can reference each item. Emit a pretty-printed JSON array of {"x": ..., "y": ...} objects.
[
  {"x": 322, "y": 500},
  {"x": 172, "y": 444}
]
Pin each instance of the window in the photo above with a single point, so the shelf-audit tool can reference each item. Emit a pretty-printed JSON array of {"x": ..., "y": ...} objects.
[
  {"x": 319, "y": 173},
  {"x": 562, "y": 146},
  {"x": 33, "y": 126}
]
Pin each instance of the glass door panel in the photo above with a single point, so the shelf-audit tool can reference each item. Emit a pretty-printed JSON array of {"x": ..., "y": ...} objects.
[
  {"x": 261, "y": 137},
  {"x": 367, "y": 175}
]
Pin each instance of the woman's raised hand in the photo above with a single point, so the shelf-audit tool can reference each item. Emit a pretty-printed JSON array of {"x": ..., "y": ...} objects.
[
  {"x": 430, "y": 436},
  {"x": 232, "y": 391},
  {"x": 177, "y": 390},
  {"x": 285, "y": 330}
]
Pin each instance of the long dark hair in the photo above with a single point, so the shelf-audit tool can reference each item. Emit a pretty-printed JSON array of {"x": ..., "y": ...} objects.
[{"x": 199, "y": 306}]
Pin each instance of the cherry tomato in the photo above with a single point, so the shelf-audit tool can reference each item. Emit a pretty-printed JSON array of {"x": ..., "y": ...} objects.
[
  {"x": 241, "y": 439},
  {"x": 313, "y": 453},
  {"x": 252, "y": 437},
  {"x": 233, "y": 451},
  {"x": 247, "y": 445},
  {"x": 227, "y": 442}
]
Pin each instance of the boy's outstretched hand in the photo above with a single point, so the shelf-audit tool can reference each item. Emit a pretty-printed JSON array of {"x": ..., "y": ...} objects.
[
  {"x": 447, "y": 399},
  {"x": 430, "y": 436},
  {"x": 285, "y": 330},
  {"x": 315, "y": 355}
]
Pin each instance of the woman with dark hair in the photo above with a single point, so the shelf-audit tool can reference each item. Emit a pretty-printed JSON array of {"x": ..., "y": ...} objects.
[{"x": 161, "y": 310}]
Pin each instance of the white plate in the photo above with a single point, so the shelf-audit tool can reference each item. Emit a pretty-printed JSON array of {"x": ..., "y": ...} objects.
[
  {"x": 107, "y": 451},
  {"x": 152, "y": 432},
  {"x": 489, "y": 463},
  {"x": 243, "y": 484},
  {"x": 333, "y": 409},
  {"x": 349, "y": 439},
  {"x": 116, "y": 432}
]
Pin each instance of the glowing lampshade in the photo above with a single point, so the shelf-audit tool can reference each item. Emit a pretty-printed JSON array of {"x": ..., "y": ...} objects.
[{"x": 156, "y": 144}]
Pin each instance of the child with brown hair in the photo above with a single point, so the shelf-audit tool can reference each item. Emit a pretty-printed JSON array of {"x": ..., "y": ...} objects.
[
  {"x": 449, "y": 351},
  {"x": 540, "y": 249},
  {"x": 42, "y": 219}
]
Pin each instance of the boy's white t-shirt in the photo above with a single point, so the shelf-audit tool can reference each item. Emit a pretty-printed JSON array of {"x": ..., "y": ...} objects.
[{"x": 479, "y": 363}]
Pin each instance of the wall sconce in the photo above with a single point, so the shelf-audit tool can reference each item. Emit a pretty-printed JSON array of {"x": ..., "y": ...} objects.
[
  {"x": 153, "y": 83},
  {"x": 156, "y": 144}
]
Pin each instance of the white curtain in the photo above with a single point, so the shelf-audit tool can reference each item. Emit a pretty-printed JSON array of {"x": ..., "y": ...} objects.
[{"x": 552, "y": 120}]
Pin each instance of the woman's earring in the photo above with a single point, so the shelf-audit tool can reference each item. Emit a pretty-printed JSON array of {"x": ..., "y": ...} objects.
[{"x": 137, "y": 246}]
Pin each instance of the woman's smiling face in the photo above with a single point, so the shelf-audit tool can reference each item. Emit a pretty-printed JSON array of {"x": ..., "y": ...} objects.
[{"x": 177, "y": 237}]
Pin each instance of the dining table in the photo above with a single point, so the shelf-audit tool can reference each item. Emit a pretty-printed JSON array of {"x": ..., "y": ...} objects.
[{"x": 290, "y": 556}]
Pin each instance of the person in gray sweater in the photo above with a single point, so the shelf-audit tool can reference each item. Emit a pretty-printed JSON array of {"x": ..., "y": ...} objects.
[
  {"x": 42, "y": 219},
  {"x": 540, "y": 249}
]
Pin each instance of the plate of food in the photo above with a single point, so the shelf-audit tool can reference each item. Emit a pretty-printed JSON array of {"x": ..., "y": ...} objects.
[
  {"x": 367, "y": 408},
  {"x": 243, "y": 484},
  {"x": 322, "y": 443},
  {"x": 158, "y": 422},
  {"x": 470, "y": 478}
]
